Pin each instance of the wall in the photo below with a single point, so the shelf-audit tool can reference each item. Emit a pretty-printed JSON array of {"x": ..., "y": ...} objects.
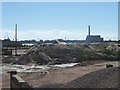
[{"x": 19, "y": 83}]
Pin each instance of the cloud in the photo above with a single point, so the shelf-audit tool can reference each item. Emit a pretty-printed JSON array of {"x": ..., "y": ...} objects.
[
  {"x": 44, "y": 34},
  {"x": 51, "y": 34}
]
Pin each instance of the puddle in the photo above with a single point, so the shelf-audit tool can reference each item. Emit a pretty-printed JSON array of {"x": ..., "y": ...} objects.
[{"x": 35, "y": 68}]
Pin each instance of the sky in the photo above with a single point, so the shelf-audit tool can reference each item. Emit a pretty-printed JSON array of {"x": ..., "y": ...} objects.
[{"x": 55, "y": 20}]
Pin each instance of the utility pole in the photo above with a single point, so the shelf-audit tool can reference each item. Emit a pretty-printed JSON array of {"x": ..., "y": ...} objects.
[
  {"x": 15, "y": 39},
  {"x": 89, "y": 30}
]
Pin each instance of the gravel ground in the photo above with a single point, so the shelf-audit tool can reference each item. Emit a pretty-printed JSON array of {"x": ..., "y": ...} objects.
[{"x": 105, "y": 78}]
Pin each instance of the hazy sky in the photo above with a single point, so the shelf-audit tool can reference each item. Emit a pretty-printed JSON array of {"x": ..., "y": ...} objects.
[{"x": 59, "y": 20}]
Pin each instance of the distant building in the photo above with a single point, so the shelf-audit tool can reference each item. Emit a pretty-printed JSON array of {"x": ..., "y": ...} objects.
[
  {"x": 93, "y": 38},
  {"x": 60, "y": 41},
  {"x": 9, "y": 43}
]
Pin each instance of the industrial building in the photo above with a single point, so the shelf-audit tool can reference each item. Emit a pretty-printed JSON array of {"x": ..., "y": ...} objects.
[{"x": 93, "y": 38}]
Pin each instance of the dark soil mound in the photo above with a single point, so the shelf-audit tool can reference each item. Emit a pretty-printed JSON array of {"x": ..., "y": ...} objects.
[
  {"x": 106, "y": 78},
  {"x": 34, "y": 57},
  {"x": 24, "y": 59}
]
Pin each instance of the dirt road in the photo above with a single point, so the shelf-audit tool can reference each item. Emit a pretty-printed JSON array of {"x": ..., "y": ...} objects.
[{"x": 56, "y": 78}]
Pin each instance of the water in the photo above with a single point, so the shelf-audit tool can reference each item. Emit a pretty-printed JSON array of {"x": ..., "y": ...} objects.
[
  {"x": 65, "y": 65},
  {"x": 35, "y": 68}
]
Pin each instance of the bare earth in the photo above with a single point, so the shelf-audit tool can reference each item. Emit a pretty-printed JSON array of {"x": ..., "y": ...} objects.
[{"x": 59, "y": 77}]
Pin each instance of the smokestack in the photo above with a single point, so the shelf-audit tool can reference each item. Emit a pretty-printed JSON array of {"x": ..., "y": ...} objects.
[
  {"x": 89, "y": 30},
  {"x": 15, "y": 39}
]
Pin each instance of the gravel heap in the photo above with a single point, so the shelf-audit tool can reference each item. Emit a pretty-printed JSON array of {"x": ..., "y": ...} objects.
[
  {"x": 34, "y": 57},
  {"x": 65, "y": 53},
  {"x": 106, "y": 78}
]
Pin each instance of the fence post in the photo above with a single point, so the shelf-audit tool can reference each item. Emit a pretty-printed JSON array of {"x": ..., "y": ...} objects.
[{"x": 11, "y": 73}]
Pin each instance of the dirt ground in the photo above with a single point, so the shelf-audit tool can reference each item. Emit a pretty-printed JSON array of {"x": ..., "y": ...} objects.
[{"x": 57, "y": 77}]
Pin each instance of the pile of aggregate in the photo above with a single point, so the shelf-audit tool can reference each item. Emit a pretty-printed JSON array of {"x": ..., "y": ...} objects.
[
  {"x": 65, "y": 53},
  {"x": 34, "y": 57},
  {"x": 105, "y": 78}
]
